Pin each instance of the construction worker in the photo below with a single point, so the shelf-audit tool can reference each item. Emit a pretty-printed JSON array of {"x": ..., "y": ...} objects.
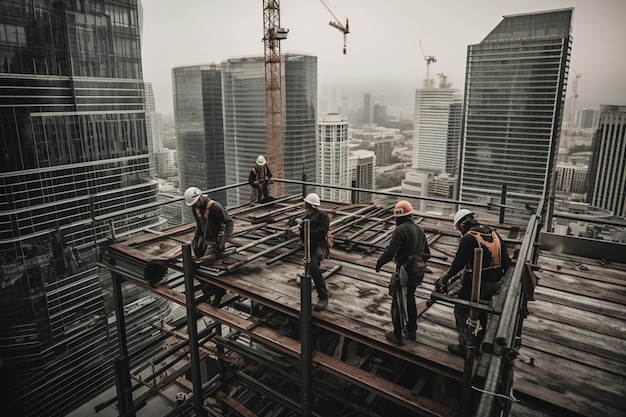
[
  {"x": 495, "y": 262},
  {"x": 410, "y": 249},
  {"x": 213, "y": 229},
  {"x": 319, "y": 224},
  {"x": 259, "y": 179}
]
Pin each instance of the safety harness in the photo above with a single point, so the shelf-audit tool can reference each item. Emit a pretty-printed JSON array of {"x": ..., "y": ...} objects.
[{"x": 493, "y": 247}]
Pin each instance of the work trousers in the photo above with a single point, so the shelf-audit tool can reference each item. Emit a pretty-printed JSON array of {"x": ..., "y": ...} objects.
[
  {"x": 462, "y": 313},
  {"x": 396, "y": 318},
  {"x": 316, "y": 274},
  {"x": 211, "y": 250}
]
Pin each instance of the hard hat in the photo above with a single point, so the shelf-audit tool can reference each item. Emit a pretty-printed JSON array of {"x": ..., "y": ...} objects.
[
  {"x": 260, "y": 160},
  {"x": 460, "y": 215},
  {"x": 192, "y": 194},
  {"x": 402, "y": 208},
  {"x": 313, "y": 199}
]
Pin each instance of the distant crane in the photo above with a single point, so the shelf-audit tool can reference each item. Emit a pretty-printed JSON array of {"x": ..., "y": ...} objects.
[
  {"x": 337, "y": 25},
  {"x": 273, "y": 33},
  {"x": 443, "y": 80},
  {"x": 575, "y": 97},
  {"x": 429, "y": 59}
]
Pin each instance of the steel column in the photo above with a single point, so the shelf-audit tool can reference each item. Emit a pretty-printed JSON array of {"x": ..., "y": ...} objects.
[
  {"x": 121, "y": 364},
  {"x": 192, "y": 330},
  {"x": 306, "y": 350}
]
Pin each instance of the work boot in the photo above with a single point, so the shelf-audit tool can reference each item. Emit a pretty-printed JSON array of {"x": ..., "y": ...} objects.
[
  {"x": 216, "y": 301},
  {"x": 390, "y": 335},
  {"x": 410, "y": 335},
  {"x": 321, "y": 304},
  {"x": 457, "y": 350}
]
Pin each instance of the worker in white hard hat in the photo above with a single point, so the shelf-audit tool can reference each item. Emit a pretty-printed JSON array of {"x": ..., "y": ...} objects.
[
  {"x": 496, "y": 261},
  {"x": 259, "y": 179},
  {"x": 319, "y": 223},
  {"x": 213, "y": 229},
  {"x": 409, "y": 248}
]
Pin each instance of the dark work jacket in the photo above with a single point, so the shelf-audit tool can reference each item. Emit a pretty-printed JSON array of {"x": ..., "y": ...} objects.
[
  {"x": 408, "y": 239},
  {"x": 465, "y": 255},
  {"x": 257, "y": 174},
  {"x": 319, "y": 224},
  {"x": 209, "y": 221}
]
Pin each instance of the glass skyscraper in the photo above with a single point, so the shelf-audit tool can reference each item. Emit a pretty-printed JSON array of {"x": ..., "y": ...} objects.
[
  {"x": 514, "y": 96},
  {"x": 74, "y": 151},
  {"x": 199, "y": 129},
  {"x": 244, "y": 119}
]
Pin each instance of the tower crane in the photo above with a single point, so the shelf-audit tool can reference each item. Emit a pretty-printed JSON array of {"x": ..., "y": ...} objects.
[
  {"x": 337, "y": 25},
  {"x": 273, "y": 33},
  {"x": 429, "y": 59}
]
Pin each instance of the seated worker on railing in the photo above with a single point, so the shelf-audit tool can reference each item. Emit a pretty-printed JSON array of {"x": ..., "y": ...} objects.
[
  {"x": 213, "y": 229},
  {"x": 259, "y": 179},
  {"x": 495, "y": 262}
]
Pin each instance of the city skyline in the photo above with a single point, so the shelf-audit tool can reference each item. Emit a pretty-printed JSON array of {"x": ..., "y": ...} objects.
[{"x": 174, "y": 34}]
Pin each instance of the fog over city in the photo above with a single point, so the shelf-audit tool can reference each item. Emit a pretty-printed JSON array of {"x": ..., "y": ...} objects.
[{"x": 383, "y": 52}]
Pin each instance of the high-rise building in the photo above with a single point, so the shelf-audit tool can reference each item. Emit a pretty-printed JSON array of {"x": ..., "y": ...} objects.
[
  {"x": 588, "y": 118},
  {"x": 74, "y": 152},
  {"x": 367, "y": 108},
  {"x": 571, "y": 178},
  {"x": 244, "y": 120},
  {"x": 430, "y": 132},
  {"x": 514, "y": 93},
  {"x": 607, "y": 173},
  {"x": 154, "y": 129},
  {"x": 453, "y": 144},
  {"x": 332, "y": 157},
  {"x": 362, "y": 165},
  {"x": 198, "y": 118}
]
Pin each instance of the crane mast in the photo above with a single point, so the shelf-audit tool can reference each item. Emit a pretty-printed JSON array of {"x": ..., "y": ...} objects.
[{"x": 272, "y": 35}]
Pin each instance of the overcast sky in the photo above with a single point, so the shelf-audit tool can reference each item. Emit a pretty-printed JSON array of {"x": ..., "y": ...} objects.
[{"x": 383, "y": 46}]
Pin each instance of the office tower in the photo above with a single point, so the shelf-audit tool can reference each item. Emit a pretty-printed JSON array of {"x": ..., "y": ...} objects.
[
  {"x": 588, "y": 118},
  {"x": 430, "y": 132},
  {"x": 453, "y": 144},
  {"x": 571, "y": 178},
  {"x": 367, "y": 108},
  {"x": 332, "y": 157},
  {"x": 154, "y": 130},
  {"x": 607, "y": 173},
  {"x": 197, "y": 92},
  {"x": 362, "y": 165},
  {"x": 74, "y": 158},
  {"x": 244, "y": 120},
  {"x": 514, "y": 91},
  {"x": 379, "y": 114}
]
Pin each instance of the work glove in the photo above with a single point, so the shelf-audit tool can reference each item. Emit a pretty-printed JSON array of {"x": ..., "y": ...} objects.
[
  {"x": 378, "y": 266},
  {"x": 441, "y": 285}
]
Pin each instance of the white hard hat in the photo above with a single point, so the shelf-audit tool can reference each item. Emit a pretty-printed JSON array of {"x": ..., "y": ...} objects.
[
  {"x": 192, "y": 194},
  {"x": 460, "y": 215},
  {"x": 260, "y": 160},
  {"x": 313, "y": 199}
]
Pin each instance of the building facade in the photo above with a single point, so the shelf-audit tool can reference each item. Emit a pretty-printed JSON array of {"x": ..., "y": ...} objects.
[
  {"x": 430, "y": 132},
  {"x": 74, "y": 152},
  {"x": 362, "y": 165},
  {"x": 514, "y": 95},
  {"x": 332, "y": 157},
  {"x": 198, "y": 118},
  {"x": 244, "y": 120},
  {"x": 607, "y": 173}
]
